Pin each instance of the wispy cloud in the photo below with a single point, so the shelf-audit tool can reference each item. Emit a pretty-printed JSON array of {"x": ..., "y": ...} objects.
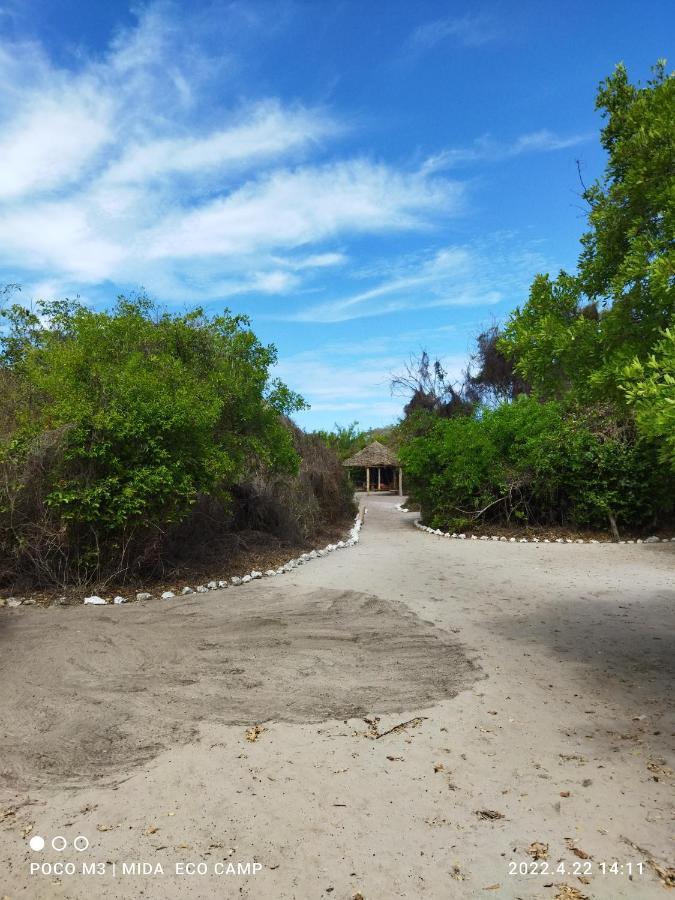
[
  {"x": 487, "y": 149},
  {"x": 469, "y": 30},
  {"x": 118, "y": 170},
  {"x": 473, "y": 275}
]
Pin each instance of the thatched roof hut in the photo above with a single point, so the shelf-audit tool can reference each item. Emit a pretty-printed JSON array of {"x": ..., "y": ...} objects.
[{"x": 377, "y": 456}]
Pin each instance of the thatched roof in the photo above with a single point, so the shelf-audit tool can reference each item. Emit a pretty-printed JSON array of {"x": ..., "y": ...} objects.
[{"x": 375, "y": 454}]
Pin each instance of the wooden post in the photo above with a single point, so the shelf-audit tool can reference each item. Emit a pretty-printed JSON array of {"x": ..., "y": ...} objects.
[
  {"x": 400, "y": 481},
  {"x": 367, "y": 479},
  {"x": 379, "y": 478}
]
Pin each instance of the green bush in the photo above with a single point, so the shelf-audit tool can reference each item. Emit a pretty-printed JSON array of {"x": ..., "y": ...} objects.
[
  {"x": 650, "y": 389},
  {"x": 533, "y": 463},
  {"x": 120, "y": 420}
]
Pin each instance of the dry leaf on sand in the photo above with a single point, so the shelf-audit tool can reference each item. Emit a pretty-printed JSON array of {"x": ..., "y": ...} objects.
[
  {"x": 578, "y": 852},
  {"x": 567, "y": 892},
  {"x": 538, "y": 850}
]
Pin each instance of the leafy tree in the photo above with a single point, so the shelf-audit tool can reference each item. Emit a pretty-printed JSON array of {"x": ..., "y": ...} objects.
[
  {"x": 577, "y": 333},
  {"x": 650, "y": 389},
  {"x": 594, "y": 443}
]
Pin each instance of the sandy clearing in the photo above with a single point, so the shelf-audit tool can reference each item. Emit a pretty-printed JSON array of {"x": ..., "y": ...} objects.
[{"x": 535, "y": 671}]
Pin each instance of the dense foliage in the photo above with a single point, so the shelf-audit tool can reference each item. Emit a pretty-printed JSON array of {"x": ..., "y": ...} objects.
[
  {"x": 114, "y": 423},
  {"x": 533, "y": 463},
  {"x": 594, "y": 442}
]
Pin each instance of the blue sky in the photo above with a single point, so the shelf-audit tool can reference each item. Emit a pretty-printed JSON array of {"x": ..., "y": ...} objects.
[{"x": 362, "y": 179}]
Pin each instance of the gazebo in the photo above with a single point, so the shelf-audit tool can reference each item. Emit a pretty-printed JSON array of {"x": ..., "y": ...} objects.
[{"x": 377, "y": 456}]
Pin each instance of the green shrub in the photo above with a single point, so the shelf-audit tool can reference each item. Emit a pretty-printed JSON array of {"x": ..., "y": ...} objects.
[
  {"x": 120, "y": 420},
  {"x": 533, "y": 463},
  {"x": 650, "y": 389}
]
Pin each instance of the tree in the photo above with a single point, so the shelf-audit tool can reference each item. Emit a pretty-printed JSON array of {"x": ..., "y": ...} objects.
[
  {"x": 650, "y": 389},
  {"x": 426, "y": 384},
  {"x": 491, "y": 376},
  {"x": 577, "y": 333}
]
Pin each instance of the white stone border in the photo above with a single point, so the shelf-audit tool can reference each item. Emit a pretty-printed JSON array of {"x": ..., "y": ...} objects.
[
  {"x": 535, "y": 540},
  {"x": 235, "y": 580}
]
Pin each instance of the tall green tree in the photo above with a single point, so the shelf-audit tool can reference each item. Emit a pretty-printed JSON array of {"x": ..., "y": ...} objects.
[{"x": 577, "y": 332}]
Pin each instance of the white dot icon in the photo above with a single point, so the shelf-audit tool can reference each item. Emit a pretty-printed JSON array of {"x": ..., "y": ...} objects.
[{"x": 37, "y": 843}]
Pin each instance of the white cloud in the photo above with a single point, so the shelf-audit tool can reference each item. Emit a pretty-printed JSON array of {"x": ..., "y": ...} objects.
[
  {"x": 50, "y": 139},
  {"x": 486, "y": 149},
  {"x": 125, "y": 168},
  {"x": 268, "y": 131},
  {"x": 293, "y": 208},
  {"x": 481, "y": 274},
  {"x": 469, "y": 30}
]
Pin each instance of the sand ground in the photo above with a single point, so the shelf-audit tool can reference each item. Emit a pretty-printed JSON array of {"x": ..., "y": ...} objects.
[{"x": 536, "y": 682}]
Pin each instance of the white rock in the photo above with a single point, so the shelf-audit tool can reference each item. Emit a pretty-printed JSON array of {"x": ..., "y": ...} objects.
[
  {"x": 639, "y": 541},
  {"x": 186, "y": 591},
  {"x": 523, "y": 541},
  {"x": 504, "y": 539},
  {"x": 212, "y": 585},
  {"x": 512, "y": 540},
  {"x": 494, "y": 537},
  {"x": 280, "y": 570},
  {"x": 256, "y": 574},
  {"x": 118, "y": 601},
  {"x": 13, "y": 602},
  {"x": 94, "y": 601},
  {"x": 222, "y": 584},
  {"x": 235, "y": 580},
  {"x": 202, "y": 589},
  {"x": 340, "y": 544},
  {"x": 314, "y": 554},
  {"x": 546, "y": 541},
  {"x": 484, "y": 537},
  {"x": 462, "y": 537},
  {"x": 244, "y": 580},
  {"x": 323, "y": 553},
  {"x": 580, "y": 541},
  {"x": 167, "y": 595},
  {"x": 143, "y": 595},
  {"x": 652, "y": 540},
  {"x": 559, "y": 541},
  {"x": 270, "y": 573}
]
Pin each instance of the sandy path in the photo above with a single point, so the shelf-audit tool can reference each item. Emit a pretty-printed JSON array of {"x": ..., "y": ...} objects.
[{"x": 538, "y": 677}]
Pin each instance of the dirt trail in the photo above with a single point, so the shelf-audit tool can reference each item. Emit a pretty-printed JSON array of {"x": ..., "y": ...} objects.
[{"x": 531, "y": 681}]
